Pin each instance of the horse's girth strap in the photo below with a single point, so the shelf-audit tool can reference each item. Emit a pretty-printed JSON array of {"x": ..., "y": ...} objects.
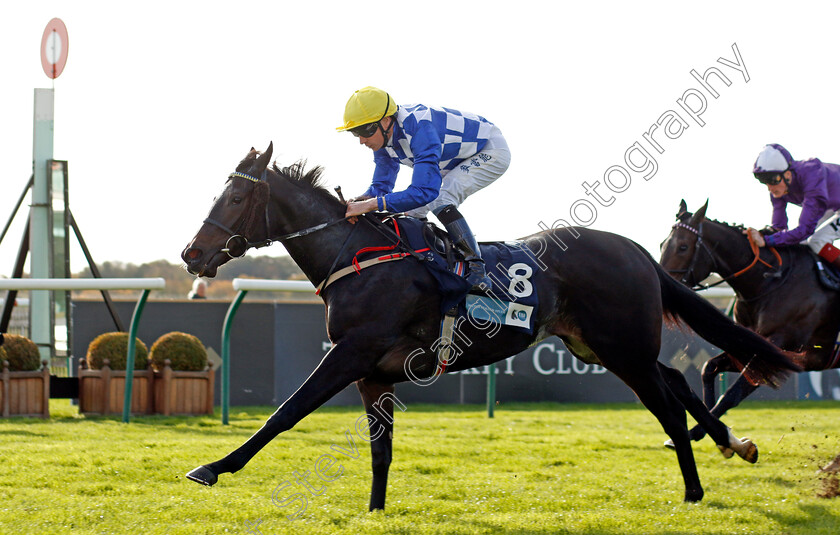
[
  {"x": 355, "y": 268},
  {"x": 446, "y": 348}
]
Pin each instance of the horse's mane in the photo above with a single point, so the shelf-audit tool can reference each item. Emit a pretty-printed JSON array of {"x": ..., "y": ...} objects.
[
  {"x": 311, "y": 178},
  {"x": 740, "y": 228},
  {"x": 734, "y": 226},
  {"x": 297, "y": 171},
  {"x": 297, "y": 174}
]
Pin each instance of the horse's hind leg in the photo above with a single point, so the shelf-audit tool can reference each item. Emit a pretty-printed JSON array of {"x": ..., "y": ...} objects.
[
  {"x": 653, "y": 392},
  {"x": 708, "y": 422},
  {"x": 700, "y": 412},
  {"x": 711, "y": 370},
  {"x": 733, "y": 396},
  {"x": 379, "y": 406}
]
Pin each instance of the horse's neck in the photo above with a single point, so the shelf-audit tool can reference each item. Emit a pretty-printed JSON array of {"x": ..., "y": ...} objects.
[
  {"x": 313, "y": 253},
  {"x": 733, "y": 254}
]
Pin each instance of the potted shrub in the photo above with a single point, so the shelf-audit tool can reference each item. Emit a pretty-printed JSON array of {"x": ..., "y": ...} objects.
[
  {"x": 102, "y": 376},
  {"x": 25, "y": 384},
  {"x": 183, "y": 375}
]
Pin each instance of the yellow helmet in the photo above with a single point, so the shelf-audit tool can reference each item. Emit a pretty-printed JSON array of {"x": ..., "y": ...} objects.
[{"x": 367, "y": 105}]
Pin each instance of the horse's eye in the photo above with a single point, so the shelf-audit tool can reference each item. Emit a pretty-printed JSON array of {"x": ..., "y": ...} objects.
[
  {"x": 236, "y": 200},
  {"x": 683, "y": 248}
]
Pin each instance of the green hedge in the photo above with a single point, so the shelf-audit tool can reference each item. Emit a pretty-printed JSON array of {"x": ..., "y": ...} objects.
[
  {"x": 114, "y": 347},
  {"x": 21, "y": 352},
  {"x": 185, "y": 352}
]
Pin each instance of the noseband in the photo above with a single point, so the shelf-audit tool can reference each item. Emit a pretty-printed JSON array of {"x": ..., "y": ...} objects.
[{"x": 238, "y": 241}]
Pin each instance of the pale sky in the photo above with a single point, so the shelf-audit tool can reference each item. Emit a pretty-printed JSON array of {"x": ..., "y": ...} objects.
[{"x": 160, "y": 100}]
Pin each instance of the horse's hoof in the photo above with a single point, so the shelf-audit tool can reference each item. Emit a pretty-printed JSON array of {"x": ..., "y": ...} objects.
[
  {"x": 202, "y": 475},
  {"x": 727, "y": 452},
  {"x": 669, "y": 444},
  {"x": 750, "y": 451},
  {"x": 832, "y": 467},
  {"x": 693, "y": 496}
]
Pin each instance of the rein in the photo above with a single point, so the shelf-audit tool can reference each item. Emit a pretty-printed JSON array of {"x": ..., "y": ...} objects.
[
  {"x": 700, "y": 244},
  {"x": 755, "y": 249}
]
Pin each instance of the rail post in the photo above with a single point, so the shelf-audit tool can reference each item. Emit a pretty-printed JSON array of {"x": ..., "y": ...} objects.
[{"x": 243, "y": 286}]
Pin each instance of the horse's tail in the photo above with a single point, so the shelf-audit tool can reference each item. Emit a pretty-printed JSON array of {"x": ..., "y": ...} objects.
[{"x": 760, "y": 361}]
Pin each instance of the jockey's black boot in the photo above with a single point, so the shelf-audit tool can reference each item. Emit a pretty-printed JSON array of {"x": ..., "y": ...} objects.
[{"x": 462, "y": 237}]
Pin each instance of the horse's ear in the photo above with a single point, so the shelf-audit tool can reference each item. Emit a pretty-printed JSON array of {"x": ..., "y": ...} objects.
[
  {"x": 262, "y": 162},
  {"x": 683, "y": 208},
  {"x": 700, "y": 214}
]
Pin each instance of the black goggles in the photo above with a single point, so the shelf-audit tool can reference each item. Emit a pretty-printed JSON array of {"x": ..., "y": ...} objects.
[
  {"x": 770, "y": 178},
  {"x": 366, "y": 130}
]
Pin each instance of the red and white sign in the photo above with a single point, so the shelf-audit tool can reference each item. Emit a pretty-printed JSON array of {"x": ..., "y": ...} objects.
[{"x": 54, "y": 47}]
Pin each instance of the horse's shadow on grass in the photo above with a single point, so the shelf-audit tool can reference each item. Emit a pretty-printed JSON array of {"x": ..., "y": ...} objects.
[{"x": 12, "y": 432}]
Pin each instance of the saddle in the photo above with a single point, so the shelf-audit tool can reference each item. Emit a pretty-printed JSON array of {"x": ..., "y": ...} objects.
[
  {"x": 512, "y": 267},
  {"x": 438, "y": 242}
]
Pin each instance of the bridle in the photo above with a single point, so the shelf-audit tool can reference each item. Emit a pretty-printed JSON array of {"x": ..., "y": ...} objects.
[
  {"x": 239, "y": 242},
  {"x": 701, "y": 245}
]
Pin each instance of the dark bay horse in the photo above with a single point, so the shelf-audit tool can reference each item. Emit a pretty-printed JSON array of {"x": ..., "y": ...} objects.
[
  {"x": 786, "y": 304},
  {"x": 602, "y": 294}
]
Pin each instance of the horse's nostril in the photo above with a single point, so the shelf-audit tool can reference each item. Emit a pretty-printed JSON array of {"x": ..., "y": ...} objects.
[{"x": 191, "y": 254}]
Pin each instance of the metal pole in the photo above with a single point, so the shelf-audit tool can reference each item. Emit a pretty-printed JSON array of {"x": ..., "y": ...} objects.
[
  {"x": 96, "y": 274},
  {"x": 234, "y": 306},
  {"x": 11, "y": 295},
  {"x": 730, "y": 311},
  {"x": 491, "y": 390},
  {"x": 129, "y": 360},
  {"x": 40, "y": 253},
  {"x": 17, "y": 207}
]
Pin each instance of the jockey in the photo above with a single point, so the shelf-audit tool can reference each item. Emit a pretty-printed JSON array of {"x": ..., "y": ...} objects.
[
  {"x": 811, "y": 184},
  {"x": 454, "y": 154}
]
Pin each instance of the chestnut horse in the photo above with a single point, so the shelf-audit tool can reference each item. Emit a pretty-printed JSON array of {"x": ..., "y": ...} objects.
[{"x": 602, "y": 294}]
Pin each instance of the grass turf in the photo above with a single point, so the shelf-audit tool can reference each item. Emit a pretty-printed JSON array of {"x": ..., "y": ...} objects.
[{"x": 534, "y": 468}]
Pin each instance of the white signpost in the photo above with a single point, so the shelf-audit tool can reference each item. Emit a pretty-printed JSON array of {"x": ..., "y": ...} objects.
[{"x": 54, "y": 49}]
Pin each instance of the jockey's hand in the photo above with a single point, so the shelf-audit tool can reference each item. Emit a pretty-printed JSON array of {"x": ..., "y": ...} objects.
[
  {"x": 360, "y": 198},
  {"x": 356, "y": 208},
  {"x": 756, "y": 236}
]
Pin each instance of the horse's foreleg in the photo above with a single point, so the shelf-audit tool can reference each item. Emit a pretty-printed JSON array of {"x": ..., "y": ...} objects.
[
  {"x": 344, "y": 364},
  {"x": 380, "y": 414}
]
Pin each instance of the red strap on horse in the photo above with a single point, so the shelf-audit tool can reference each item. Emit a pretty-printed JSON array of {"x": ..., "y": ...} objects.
[
  {"x": 358, "y": 266},
  {"x": 383, "y": 248}
]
